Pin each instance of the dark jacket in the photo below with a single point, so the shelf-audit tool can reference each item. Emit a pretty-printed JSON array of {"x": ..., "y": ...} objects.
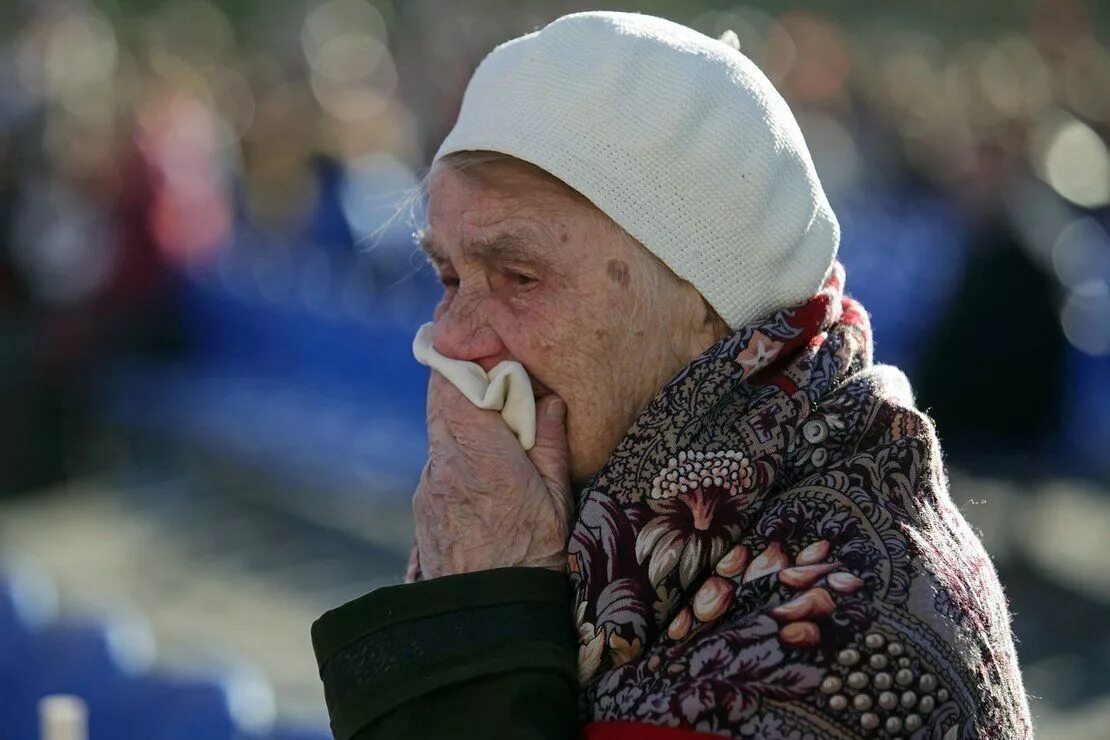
[{"x": 489, "y": 654}]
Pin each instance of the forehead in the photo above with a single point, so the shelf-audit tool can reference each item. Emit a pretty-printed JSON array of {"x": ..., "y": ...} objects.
[{"x": 484, "y": 194}]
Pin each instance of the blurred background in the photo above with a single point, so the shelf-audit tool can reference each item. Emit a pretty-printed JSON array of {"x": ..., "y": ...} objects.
[{"x": 210, "y": 421}]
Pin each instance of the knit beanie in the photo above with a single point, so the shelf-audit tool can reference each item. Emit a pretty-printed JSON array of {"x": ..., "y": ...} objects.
[{"x": 678, "y": 137}]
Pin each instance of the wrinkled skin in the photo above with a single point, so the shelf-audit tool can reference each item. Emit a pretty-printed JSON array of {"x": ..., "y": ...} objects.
[
  {"x": 535, "y": 273},
  {"x": 482, "y": 501}
]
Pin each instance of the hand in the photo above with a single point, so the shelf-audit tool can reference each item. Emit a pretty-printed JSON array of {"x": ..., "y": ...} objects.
[{"x": 483, "y": 502}]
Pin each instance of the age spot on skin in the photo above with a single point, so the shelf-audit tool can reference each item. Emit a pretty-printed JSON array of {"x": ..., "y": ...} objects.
[{"x": 618, "y": 271}]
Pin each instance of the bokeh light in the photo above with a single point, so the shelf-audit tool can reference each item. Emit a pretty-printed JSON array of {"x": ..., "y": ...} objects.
[{"x": 208, "y": 289}]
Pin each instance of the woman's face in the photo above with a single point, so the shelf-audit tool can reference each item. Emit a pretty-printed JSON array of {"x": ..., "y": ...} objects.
[{"x": 535, "y": 273}]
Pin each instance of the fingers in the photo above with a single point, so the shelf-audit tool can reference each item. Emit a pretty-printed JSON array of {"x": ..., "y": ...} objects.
[
  {"x": 550, "y": 451},
  {"x": 550, "y": 454},
  {"x": 452, "y": 418},
  {"x": 442, "y": 391}
]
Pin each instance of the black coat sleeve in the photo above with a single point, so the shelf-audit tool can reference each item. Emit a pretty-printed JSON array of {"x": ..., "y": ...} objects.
[{"x": 489, "y": 654}]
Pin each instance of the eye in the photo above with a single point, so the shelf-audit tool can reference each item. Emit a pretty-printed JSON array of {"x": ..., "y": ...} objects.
[
  {"x": 521, "y": 279},
  {"x": 448, "y": 281}
]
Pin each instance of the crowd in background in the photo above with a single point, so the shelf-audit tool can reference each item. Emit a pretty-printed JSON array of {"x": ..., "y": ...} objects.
[
  {"x": 969, "y": 167},
  {"x": 206, "y": 218}
]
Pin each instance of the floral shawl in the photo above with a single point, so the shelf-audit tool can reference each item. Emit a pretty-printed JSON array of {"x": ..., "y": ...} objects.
[{"x": 771, "y": 551}]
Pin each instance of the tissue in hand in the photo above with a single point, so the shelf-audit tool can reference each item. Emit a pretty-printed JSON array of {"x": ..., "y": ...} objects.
[{"x": 506, "y": 388}]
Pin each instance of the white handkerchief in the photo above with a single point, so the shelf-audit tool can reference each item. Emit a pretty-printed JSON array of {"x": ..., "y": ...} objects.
[{"x": 506, "y": 388}]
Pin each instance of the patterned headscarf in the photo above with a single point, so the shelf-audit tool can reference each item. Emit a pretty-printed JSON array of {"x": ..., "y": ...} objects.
[{"x": 771, "y": 551}]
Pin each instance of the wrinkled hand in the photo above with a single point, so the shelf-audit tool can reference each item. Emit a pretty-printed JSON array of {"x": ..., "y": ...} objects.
[{"x": 483, "y": 502}]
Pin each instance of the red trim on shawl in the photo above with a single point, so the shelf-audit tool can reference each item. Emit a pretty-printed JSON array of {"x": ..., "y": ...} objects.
[{"x": 638, "y": 731}]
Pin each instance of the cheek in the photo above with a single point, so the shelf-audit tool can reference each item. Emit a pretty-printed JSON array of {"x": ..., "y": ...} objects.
[
  {"x": 536, "y": 338},
  {"x": 562, "y": 337},
  {"x": 528, "y": 323},
  {"x": 526, "y": 340}
]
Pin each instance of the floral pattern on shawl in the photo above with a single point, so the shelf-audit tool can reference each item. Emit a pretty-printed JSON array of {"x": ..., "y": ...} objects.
[{"x": 771, "y": 552}]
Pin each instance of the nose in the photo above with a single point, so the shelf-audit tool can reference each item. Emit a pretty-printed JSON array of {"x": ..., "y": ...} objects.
[{"x": 462, "y": 333}]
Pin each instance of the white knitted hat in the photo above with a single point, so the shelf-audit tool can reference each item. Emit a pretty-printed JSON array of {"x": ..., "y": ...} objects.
[{"x": 677, "y": 137}]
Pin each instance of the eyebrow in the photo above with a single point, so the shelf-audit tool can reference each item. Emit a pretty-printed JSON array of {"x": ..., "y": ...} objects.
[{"x": 507, "y": 247}]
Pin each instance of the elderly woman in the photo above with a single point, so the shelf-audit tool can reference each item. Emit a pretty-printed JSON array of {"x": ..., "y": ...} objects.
[{"x": 705, "y": 510}]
